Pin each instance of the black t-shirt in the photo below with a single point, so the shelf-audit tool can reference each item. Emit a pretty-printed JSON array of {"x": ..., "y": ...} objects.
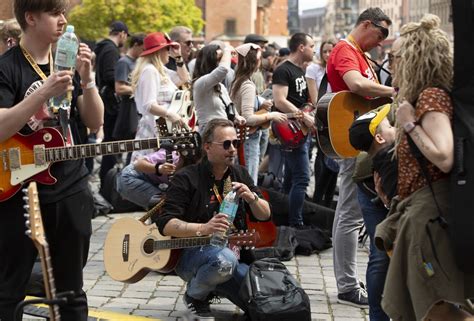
[
  {"x": 293, "y": 77},
  {"x": 18, "y": 80}
]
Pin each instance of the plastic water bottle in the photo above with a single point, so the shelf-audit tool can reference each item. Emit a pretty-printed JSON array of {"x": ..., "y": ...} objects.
[
  {"x": 66, "y": 54},
  {"x": 229, "y": 206}
]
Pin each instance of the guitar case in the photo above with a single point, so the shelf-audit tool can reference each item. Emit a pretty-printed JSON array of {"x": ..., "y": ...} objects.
[{"x": 461, "y": 217}]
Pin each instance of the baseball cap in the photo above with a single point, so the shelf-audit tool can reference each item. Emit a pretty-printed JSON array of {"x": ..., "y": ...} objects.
[
  {"x": 156, "y": 41},
  {"x": 254, "y": 38},
  {"x": 362, "y": 130},
  {"x": 119, "y": 26}
]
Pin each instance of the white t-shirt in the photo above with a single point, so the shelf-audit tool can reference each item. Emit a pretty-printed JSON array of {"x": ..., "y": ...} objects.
[{"x": 316, "y": 72}]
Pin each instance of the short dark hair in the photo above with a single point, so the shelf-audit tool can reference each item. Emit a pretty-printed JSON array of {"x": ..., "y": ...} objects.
[
  {"x": 136, "y": 39},
  {"x": 20, "y": 7},
  {"x": 299, "y": 38},
  {"x": 208, "y": 133},
  {"x": 375, "y": 15}
]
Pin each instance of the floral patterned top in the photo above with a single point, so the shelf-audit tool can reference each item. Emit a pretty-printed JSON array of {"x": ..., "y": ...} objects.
[{"x": 410, "y": 176}]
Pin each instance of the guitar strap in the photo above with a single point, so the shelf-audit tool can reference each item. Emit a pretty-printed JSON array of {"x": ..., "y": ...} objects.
[
  {"x": 323, "y": 86},
  {"x": 61, "y": 114},
  {"x": 353, "y": 42},
  {"x": 227, "y": 189}
]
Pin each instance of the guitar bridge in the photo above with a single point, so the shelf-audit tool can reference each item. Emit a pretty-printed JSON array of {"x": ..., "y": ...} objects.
[
  {"x": 14, "y": 157},
  {"x": 39, "y": 155},
  {"x": 125, "y": 247}
]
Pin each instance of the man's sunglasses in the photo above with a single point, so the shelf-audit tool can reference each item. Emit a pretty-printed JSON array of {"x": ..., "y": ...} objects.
[
  {"x": 188, "y": 43},
  {"x": 226, "y": 143},
  {"x": 381, "y": 28}
]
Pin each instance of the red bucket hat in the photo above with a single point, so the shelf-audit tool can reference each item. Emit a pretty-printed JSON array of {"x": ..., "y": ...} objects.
[{"x": 156, "y": 41}]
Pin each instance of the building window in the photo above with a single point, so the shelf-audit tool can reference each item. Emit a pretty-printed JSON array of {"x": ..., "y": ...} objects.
[{"x": 230, "y": 27}]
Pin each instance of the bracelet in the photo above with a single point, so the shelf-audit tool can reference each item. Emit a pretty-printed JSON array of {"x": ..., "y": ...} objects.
[
  {"x": 157, "y": 169},
  {"x": 89, "y": 85},
  {"x": 180, "y": 64},
  {"x": 198, "y": 232}
]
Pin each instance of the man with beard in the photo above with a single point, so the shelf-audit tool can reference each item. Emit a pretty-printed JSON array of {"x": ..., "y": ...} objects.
[{"x": 192, "y": 209}]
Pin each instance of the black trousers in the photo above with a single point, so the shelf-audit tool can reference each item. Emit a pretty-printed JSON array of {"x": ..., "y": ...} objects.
[
  {"x": 67, "y": 225},
  {"x": 108, "y": 161}
]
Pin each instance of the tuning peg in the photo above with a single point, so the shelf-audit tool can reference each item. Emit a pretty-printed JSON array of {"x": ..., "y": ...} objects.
[
  {"x": 27, "y": 223},
  {"x": 28, "y": 232},
  {"x": 24, "y": 190},
  {"x": 26, "y": 207},
  {"x": 26, "y": 215},
  {"x": 26, "y": 198}
]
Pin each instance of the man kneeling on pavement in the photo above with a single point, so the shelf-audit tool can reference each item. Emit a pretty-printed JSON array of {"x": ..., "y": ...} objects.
[{"x": 192, "y": 209}]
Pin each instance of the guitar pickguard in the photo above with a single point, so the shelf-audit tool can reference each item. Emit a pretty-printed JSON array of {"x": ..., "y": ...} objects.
[{"x": 26, "y": 172}]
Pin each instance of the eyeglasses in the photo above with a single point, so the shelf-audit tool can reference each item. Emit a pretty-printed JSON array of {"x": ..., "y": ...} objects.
[
  {"x": 226, "y": 143},
  {"x": 381, "y": 28},
  {"x": 188, "y": 43}
]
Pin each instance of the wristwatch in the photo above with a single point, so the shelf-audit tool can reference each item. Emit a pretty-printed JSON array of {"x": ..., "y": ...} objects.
[
  {"x": 409, "y": 127},
  {"x": 255, "y": 199}
]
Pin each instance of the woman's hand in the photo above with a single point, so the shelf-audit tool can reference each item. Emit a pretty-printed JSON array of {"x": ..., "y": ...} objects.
[
  {"x": 405, "y": 113},
  {"x": 239, "y": 120},
  {"x": 174, "y": 118},
  {"x": 166, "y": 169},
  {"x": 175, "y": 51},
  {"x": 278, "y": 117},
  {"x": 267, "y": 105}
]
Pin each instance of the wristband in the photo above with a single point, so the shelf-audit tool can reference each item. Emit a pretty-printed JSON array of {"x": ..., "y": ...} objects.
[
  {"x": 255, "y": 199},
  {"x": 180, "y": 64},
  {"x": 89, "y": 85}
]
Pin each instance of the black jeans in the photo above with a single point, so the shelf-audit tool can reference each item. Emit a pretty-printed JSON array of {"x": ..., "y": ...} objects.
[{"x": 67, "y": 225}]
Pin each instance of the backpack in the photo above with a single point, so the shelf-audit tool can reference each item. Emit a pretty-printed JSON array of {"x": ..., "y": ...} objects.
[{"x": 272, "y": 293}]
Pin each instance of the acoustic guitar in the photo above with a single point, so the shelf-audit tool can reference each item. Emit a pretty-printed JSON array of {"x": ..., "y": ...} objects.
[
  {"x": 335, "y": 113},
  {"x": 35, "y": 231},
  {"x": 132, "y": 249},
  {"x": 25, "y": 158}
]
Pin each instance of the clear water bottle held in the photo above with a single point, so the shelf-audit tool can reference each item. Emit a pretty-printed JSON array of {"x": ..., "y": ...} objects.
[
  {"x": 65, "y": 59},
  {"x": 229, "y": 206}
]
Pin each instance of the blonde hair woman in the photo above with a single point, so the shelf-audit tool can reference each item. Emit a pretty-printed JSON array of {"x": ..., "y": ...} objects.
[
  {"x": 423, "y": 281},
  {"x": 154, "y": 85}
]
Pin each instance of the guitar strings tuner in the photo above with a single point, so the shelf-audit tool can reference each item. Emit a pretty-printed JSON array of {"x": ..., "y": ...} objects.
[
  {"x": 26, "y": 207},
  {"x": 28, "y": 232},
  {"x": 26, "y": 215},
  {"x": 27, "y": 223},
  {"x": 25, "y": 198},
  {"x": 24, "y": 190}
]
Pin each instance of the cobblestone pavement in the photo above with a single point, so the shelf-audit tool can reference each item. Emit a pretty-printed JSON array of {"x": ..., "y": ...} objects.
[{"x": 159, "y": 296}]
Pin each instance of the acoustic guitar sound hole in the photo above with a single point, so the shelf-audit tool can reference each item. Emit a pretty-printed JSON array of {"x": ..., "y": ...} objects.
[{"x": 148, "y": 246}]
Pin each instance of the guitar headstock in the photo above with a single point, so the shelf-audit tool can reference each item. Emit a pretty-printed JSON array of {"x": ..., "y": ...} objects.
[
  {"x": 245, "y": 239},
  {"x": 34, "y": 222},
  {"x": 181, "y": 140},
  {"x": 243, "y": 132}
]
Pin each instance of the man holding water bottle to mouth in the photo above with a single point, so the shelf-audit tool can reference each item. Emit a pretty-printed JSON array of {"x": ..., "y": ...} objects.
[{"x": 27, "y": 84}]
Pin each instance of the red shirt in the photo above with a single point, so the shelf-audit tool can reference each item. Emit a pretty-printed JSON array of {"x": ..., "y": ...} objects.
[{"x": 345, "y": 57}]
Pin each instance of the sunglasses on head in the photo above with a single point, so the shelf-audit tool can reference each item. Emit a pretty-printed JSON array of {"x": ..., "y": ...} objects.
[
  {"x": 381, "y": 28},
  {"x": 226, "y": 143}
]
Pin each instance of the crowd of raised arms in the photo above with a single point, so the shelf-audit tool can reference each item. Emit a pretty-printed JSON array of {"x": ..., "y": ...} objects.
[{"x": 206, "y": 137}]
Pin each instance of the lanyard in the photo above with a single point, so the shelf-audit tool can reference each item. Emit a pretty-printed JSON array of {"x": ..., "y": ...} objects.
[
  {"x": 34, "y": 65},
  {"x": 227, "y": 189},
  {"x": 351, "y": 39}
]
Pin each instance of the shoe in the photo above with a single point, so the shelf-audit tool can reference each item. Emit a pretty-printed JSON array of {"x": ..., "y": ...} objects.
[
  {"x": 357, "y": 298},
  {"x": 197, "y": 307}
]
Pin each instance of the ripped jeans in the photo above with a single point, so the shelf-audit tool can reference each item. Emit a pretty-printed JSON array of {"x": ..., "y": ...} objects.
[{"x": 211, "y": 269}]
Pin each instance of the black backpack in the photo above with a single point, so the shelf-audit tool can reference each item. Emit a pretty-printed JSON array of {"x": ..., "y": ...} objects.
[{"x": 272, "y": 293}]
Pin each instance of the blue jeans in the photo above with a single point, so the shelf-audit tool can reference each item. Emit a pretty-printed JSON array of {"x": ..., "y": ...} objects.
[
  {"x": 209, "y": 269},
  {"x": 136, "y": 187},
  {"x": 296, "y": 180},
  {"x": 378, "y": 260},
  {"x": 252, "y": 154}
]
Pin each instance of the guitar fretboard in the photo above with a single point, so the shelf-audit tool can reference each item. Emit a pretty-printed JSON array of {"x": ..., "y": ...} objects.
[
  {"x": 180, "y": 243},
  {"x": 91, "y": 150}
]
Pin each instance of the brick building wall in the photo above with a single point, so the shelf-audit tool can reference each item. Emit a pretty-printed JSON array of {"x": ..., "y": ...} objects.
[{"x": 6, "y": 9}]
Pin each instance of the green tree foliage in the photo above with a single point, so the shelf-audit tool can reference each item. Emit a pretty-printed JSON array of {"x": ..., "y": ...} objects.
[{"x": 92, "y": 18}]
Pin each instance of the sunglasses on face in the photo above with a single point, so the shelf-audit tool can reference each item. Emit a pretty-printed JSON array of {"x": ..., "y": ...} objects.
[
  {"x": 226, "y": 143},
  {"x": 381, "y": 28},
  {"x": 188, "y": 43}
]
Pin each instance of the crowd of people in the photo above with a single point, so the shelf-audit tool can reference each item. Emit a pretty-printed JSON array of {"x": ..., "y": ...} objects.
[{"x": 397, "y": 187}]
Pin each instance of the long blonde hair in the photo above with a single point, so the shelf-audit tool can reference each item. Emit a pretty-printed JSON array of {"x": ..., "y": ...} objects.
[
  {"x": 153, "y": 59},
  {"x": 426, "y": 58}
]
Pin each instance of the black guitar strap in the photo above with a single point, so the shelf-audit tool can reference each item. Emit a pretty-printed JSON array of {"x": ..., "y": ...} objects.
[{"x": 323, "y": 87}]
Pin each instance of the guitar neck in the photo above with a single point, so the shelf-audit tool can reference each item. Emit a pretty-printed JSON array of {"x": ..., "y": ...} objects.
[
  {"x": 56, "y": 154},
  {"x": 49, "y": 286},
  {"x": 181, "y": 243}
]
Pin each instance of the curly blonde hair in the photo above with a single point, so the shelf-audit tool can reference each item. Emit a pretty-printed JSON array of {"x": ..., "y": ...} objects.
[{"x": 426, "y": 58}]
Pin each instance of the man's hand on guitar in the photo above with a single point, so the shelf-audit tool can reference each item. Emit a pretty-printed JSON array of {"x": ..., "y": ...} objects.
[
  {"x": 267, "y": 105},
  {"x": 57, "y": 84},
  {"x": 308, "y": 120},
  {"x": 166, "y": 169},
  {"x": 217, "y": 223}
]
